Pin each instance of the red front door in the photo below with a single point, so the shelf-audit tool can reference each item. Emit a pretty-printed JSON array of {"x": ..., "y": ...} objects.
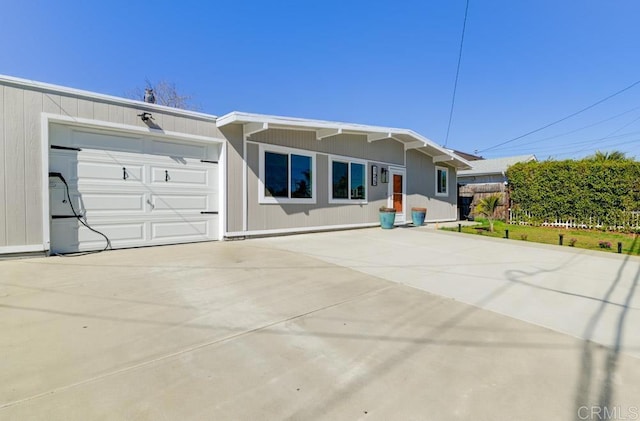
[{"x": 397, "y": 193}]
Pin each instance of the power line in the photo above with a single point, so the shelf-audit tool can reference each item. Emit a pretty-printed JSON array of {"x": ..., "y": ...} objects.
[
  {"x": 455, "y": 84},
  {"x": 562, "y": 119},
  {"x": 574, "y": 130}
]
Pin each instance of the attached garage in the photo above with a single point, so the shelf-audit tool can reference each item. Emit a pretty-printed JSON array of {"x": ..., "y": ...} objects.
[
  {"x": 136, "y": 190},
  {"x": 141, "y": 174}
]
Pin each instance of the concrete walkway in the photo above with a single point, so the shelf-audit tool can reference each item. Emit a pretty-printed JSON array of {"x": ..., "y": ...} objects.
[{"x": 274, "y": 329}]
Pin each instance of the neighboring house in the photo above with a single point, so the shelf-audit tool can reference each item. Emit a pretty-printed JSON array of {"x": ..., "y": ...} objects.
[
  {"x": 144, "y": 174},
  {"x": 487, "y": 177},
  {"x": 465, "y": 155}
]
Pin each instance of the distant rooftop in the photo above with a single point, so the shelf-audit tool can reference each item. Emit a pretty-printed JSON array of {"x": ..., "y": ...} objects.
[
  {"x": 494, "y": 166},
  {"x": 466, "y": 155}
]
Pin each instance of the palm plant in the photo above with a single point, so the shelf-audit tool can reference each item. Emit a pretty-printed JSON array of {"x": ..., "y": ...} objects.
[
  {"x": 488, "y": 207},
  {"x": 609, "y": 156}
]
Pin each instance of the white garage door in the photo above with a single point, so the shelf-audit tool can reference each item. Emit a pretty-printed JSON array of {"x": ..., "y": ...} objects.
[{"x": 137, "y": 191}]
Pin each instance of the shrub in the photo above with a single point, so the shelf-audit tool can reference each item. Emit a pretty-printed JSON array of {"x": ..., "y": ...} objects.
[
  {"x": 595, "y": 192},
  {"x": 572, "y": 242},
  {"x": 524, "y": 237},
  {"x": 604, "y": 244}
]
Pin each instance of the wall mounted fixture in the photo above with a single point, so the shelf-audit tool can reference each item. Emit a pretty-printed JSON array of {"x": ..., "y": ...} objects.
[
  {"x": 145, "y": 117},
  {"x": 384, "y": 175},
  {"x": 374, "y": 175}
]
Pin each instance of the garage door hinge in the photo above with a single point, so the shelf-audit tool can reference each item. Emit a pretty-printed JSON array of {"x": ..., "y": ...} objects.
[
  {"x": 208, "y": 161},
  {"x": 65, "y": 148}
]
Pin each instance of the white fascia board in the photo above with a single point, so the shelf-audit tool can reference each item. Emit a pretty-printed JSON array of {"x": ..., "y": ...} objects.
[
  {"x": 324, "y": 133},
  {"x": 301, "y": 123},
  {"x": 41, "y": 86}
]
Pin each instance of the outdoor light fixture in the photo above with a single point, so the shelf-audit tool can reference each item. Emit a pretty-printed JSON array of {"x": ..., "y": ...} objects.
[
  {"x": 145, "y": 117},
  {"x": 384, "y": 175}
]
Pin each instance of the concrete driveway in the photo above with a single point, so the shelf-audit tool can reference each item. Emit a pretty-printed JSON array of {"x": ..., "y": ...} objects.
[{"x": 321, "y": 326}]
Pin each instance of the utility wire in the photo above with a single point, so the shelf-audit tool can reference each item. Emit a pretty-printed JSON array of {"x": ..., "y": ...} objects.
[
  {"x": 455, "y": 84},
  {"x": 562, "y": 119},
  {"x": 574, "y": 130}
]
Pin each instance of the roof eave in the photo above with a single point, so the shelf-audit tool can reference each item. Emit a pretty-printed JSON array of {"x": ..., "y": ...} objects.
[{"x": 330, "y": 128}]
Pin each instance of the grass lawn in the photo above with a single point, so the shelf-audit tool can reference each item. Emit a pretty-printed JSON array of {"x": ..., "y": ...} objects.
[{"x": 586, "y": 239}]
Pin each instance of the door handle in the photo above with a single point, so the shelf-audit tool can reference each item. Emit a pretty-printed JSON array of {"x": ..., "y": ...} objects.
[
  {"x": 166, "y": 175},
  {"x": 124, "y": 173}
]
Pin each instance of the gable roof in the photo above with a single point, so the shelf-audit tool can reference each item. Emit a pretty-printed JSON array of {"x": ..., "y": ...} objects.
[
  {"x": 495, "y": 165},
  {"x": 254, "y": 123}
]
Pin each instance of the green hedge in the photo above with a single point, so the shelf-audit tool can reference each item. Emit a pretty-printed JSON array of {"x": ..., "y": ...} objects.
[{"x": 578, "y": 190}]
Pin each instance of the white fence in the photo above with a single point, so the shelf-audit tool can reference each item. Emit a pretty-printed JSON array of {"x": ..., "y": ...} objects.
[{"x": 627, "y": 220}]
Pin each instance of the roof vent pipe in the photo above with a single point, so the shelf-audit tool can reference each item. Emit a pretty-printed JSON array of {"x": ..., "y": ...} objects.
[{"x": 149, "y": 96}]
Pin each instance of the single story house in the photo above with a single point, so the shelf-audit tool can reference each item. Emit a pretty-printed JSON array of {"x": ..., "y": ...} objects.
[
  {"x": 83, "y": 170},
  {"x": 487, "y": 177}
]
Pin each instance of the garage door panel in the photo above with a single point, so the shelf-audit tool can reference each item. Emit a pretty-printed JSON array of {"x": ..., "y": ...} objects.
[
  {"x": 107, "y": 141},
  {"x": 117, "y": 232},
  {"x": 166, "y": 176},
  {"x": 178, "y": 150},
  {"x": 104, "y": 203},
  {"x": 180, "y": 230},
  {"x": 72, "y": 236},
  {"x": 105, "y": 171},
  {"x": 179, "y": 203}
]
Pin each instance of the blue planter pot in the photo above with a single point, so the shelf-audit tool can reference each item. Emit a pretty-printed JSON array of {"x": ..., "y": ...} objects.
[
  {"x": 418, "y": 215},
  {"x": 387, "y": 219}
]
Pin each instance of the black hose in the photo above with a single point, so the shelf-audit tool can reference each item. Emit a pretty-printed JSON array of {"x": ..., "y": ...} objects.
[{"x": 79, "y": 217}]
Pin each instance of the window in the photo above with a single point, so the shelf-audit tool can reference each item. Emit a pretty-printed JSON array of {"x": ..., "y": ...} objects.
[
  {"x": 276, "y": 174},
  {"x": 442, "y": 175},
  {"x": 348, "y": 181},
  {"x": 286, "y": 176}
]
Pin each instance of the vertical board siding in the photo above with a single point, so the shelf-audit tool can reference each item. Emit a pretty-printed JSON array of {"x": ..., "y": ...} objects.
[
  {"x": 101, "y": 111},
  {"x": 69, "y": 106},
  {"x": 169, "y": 123},
  {"x": 14, "y": 167},
  {"x": 3, "y": 196},
  {"x": 116, "y": 114},
  {"x": 85, "y": 108},
  {"x": 421, "y": 188},
  {"x": 33, "y": 102},
  {"x": 51, "y": 103},
  {"x": 234, "y": 187}
]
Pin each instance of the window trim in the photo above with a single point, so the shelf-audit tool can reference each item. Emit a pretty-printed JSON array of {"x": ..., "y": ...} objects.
[
  {"x": 446, "y": 171},
  {"x": 270, "y": 200},
  {"x": 348, "y": 161}
]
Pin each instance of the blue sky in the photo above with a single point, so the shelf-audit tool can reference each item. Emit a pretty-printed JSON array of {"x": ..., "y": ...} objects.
[{"x": 524, "y": 64}]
